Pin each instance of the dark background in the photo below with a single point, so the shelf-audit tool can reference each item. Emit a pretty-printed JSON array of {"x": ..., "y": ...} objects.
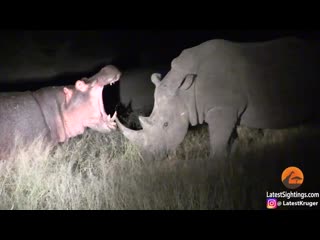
[
  {"x": 31, "y": 59},
  {"x": 25, "y": 54}
]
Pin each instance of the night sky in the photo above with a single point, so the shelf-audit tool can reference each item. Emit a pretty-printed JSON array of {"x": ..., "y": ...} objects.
[
  {"x": 39, "y": 56},
  {"x": 34, "y": 59}
]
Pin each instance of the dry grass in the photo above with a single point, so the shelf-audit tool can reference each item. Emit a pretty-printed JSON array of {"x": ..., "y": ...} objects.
[{"x": 99, "y": 171}]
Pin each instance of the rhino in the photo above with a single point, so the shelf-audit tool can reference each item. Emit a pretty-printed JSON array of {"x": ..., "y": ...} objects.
[
  {"x": 225, "y": 84},
  {"x": 56, "y": 113},
  {"x": 136, "y": 90}
]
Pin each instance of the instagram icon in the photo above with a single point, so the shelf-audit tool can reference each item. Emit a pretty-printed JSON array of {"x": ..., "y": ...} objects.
[{"x": 271, "y": 203}]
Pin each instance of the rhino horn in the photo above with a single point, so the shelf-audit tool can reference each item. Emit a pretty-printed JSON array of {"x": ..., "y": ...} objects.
[
  {"x": 133, "y": 136},
  {"x": 156, "y": 79},
  {"x": 144, "y": 121}
]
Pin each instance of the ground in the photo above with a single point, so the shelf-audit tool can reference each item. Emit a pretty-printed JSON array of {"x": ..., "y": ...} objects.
[{"x": 99, "y": 171}]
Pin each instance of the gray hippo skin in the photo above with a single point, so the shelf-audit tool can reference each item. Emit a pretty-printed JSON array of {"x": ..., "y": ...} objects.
[
  {"x": 56, "y": 113},
  {"x": 272, "y": 84}
]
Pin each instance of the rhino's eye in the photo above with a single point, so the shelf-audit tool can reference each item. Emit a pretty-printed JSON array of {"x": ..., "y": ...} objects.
[{"x": 165, "y": 124}]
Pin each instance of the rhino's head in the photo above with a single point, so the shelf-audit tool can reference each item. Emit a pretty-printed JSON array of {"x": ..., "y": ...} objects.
[{"x": 168, "y": 123}]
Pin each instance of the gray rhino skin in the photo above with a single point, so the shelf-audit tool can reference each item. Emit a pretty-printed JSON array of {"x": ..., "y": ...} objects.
[
  {"x": 136, "y": 89},
  {"x": 272, "y": 84},
  {"x": 56, "y": 113}
]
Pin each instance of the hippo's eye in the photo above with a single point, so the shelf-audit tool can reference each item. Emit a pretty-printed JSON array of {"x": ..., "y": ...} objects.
[{"x": 165, "y": 124}]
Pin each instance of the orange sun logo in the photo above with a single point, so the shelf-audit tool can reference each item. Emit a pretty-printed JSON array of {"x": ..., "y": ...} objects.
[{"x": 292, "y": 177}]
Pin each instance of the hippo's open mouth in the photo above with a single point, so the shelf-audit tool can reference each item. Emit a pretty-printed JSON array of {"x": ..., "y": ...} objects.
[
  {"x": 104, "y": 116},
  {"x": 84, "y": 106},
  {"x": 100, "y": 120}
]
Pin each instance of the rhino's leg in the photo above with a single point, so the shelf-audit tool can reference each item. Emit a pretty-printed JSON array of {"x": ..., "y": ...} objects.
[{"x": 222, "y": 126}]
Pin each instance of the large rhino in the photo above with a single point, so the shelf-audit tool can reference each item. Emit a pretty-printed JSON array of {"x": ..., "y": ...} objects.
[
  {"x": 56, "y": 113},
  {"x": 270, "y": 84}
]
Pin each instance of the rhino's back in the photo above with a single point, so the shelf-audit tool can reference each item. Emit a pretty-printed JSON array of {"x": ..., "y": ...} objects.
[
  {"x": 19, "y": 112},
  {"x": 278, "y": 79},
  {"x": 282, "y": 83}
]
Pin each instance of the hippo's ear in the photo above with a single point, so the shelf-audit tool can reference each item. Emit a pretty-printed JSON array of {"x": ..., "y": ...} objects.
[
  {"x": 188, "y": 81},
  {"x": 81, "y": 85},
  {"x": 68, "y": 94}
]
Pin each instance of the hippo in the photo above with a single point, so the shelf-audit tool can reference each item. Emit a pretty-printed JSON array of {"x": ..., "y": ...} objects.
[
  {"x": 225, "y": 84},
  {"x": 56, "y": 113}
]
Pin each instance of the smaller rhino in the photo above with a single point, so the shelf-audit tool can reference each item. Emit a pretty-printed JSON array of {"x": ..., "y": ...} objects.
[
  {"x": 136, "y": 89},
  {"x": 57, "y": 113}
]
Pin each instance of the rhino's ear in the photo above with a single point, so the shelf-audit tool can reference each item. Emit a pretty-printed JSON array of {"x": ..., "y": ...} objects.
[
  {"x": 156, "y": 79},
  {"x": 187, "y": 81}
]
